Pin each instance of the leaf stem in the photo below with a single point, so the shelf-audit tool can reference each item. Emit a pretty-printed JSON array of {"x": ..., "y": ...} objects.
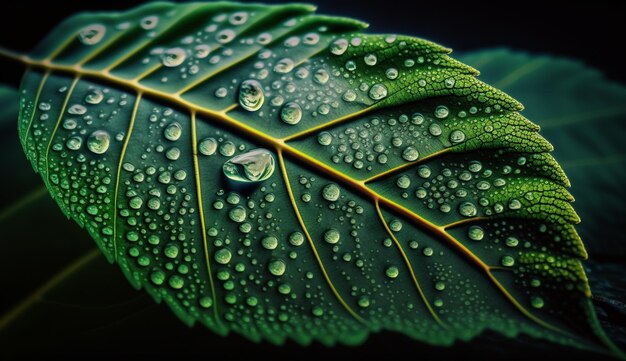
[{"x": 13, "y": 55}]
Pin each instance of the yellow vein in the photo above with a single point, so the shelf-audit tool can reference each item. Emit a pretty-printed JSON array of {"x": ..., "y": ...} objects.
[
  {"x": 404, "y": 166},
  {"x": 409, "y": 266},
  {"x": 280, "y": 144},
  {"x": 56, "y": 126},
  {"x": 519, "y": 73},
  {"x": 283, "y": 170},
  {"x": 131, "y": 125},
  {"x": 44, "y": 78},
  {"x": 465, "y": 221},
  {"x": 59, "y": 49},
  {"x": 194, "y": 147},
  {"x": 29, "y": 301},
  {"x": 143, "y": 44},
  {"x": 330, "y": 124}
]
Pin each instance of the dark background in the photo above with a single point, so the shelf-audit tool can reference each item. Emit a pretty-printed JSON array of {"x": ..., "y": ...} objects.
[{"x": 586, "y": 32}]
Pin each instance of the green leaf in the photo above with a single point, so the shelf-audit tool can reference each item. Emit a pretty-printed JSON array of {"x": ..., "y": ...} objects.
[
  {"x": 582, "y": 113},
  {"x": 401, "y": 193}
]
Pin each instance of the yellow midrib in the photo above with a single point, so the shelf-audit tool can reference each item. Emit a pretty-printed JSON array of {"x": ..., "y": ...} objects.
[{"x": 279, "y": 145}]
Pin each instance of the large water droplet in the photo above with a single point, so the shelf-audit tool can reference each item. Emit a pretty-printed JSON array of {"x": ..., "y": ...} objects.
[
  {"x": 441, "y": 112},
  {"x": 173, "y": 57},
  {"x": 208, "y": 146},
  {"x": 507, "y": 261},
  {"x": 173, "y": 131},
  {"x": 296, "y": 239},
  {"x": 254, "y": 166},
  {"x": 378, "y": 92},
  {"x": 74, "y": 143},
  {"x": 321, "y": 76},
  {"x": 332, "y": 236},
  {"x": 457, "y": 136},
  {"x": 331, "y": 192},
  {"x": 475, "y": 233},
  {"x": 370, "y": 59},
  {"x": 291, "y": 113},
  {"x": 410, "y": 154},
  {"x": 251, "y": 95},
  {"x": 237, "y": 214},
  {"x": 284, "y": 66},
  {"x": 392, "y": 272},
  {"x": 277, "y": 267},
  {"x": 467, "y": 209},
  {"x": 324, "y": 138},
  {"x": 99, "y": 141},
  {"x": 95, "y": 96},
  {"x": 269, "y": 242},
  {"x": 223, "y": 256},
  {"x": 92, "y": 34},
  {"x": 339, "y": 46}
]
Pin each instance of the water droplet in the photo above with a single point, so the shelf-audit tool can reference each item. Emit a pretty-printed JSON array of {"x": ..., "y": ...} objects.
[
  {"x": 475, "y": 233},
  {"x": 378, "y": 92},
  {"x": 238, "y": 18},
  {"x": 440, "y": 286},
  {"x": 467, "y": 209},
  {"x": 74, "y": 143},
  {"x": 537, "y": 302},
  {"x": 350, "y": 65},
  {"x": 92, "y": 34},
  {"x": 324, "y": 138},
  {"x": 511, "y": 242},
  {"x": 515, "y": 204},
  {"x": 457, "y": 136},
  {"x": 223, "y": 256},
  {"x": 173, "y": 131},
  {"x": 391, "y": 73},
  {"x": 227, "y": 149},
  {"x": 95, "y": 96},
  {"x": 332, "y": 236},
  {"x": 364, "y": 302},
  {"x": 507, "y": 261},
  {"x": 284, "y": 66},
  {"x": 172, "y": 153},
  {"x": 291, "y": 113},
  {"x": 410, "y": 154},
  {"x": 173, "y": 57},
  {"x": 208, "y": 146},
  {"x": 206, "y": 302},
  {"x": 225, "y": 36},
  {"x": 403, "y": 182},
  {"x": 237, "y": 214},
  {"x": 395, "y": 225},
  {"x": 77, "y": 109},
  {"x": 254, "y": 166},
  {"x": 370, "y": 59},
  {"x": 441, "y": 112},
  {"x": 43, "y": 106},
  {"x": 135, "y": 203},
  {"x": 331, "y": 192},
  {"x": 321, "y": 76},
  {"x": 339, "y": 46},
  {"x": 428, "y": 252},
  {"x": 171, "y": 251},
  {"x": 349, "y": 95},
  {"x": 449, "y": 83},
  {"x": 251, "y": 95},
  {"x": 392, "y": 272},
  {"x": 277, "y": 267},
  {"x": 149, "y": 22},
  {"x": 424, "y": 171},
  {"x": 269, "y": 242},
  {"x": 99, "y": 141},
  {"x": 435, "y": 129}
]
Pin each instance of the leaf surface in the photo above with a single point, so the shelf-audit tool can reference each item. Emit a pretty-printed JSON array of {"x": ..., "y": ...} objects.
[{"x": 406, "y": 195}]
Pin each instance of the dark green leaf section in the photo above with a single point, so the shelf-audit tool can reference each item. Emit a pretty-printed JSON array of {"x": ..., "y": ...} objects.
[
  {"x": 582, "y": 113},
  {"x": 405, "y": 195}
]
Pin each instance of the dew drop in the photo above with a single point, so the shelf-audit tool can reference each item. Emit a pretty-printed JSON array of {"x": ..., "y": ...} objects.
[
  {"x": 296, "y": 239},
  {"x": 92, "y": 34},
  {"x": 515, "y": 204},
  {"x": 378, "y": 92},
  {"x": 441, "y": 112},
  {"x": 391, "y": 73},
  {"x": 332, "y": 236},
  {"x": 435, "y": 129},
  {"x": 95, "y": 96},
  {"x": 227, "y": 149},
  {"x": 467, "y": 209},
  {"x": 475, "y": 233},
  {"x": 284, "y": 66},
  {"x": 237, "y": 214},
  {"x": 173, "y": 131},
  {"x": 537, "y": 302},
  {"x": 457, "y": 136},
  {"x": 364, "y": 302},
  {"x": 269, "y": 242},
  {"x": 251, "y": 95},
  {"x": 99, "y": 141},
  {"x": 324, "y": 138},
  {"x": 277, "y": 267},
  {"x": 173, "y": 57},
  {"x": 149, "y": 22},
  {"x": 254, "y": 166},
  {"x": 403, "y": 182},
  {"x": 511, "y": 242},
  {"x": 339, "y": 46},
  {"x": 424, "y": 171},
  {"x": 370, "y": 59},
  {"x": 77, "y": 109},
  {"x": 321, "y": 76},
  {"x": 410, "y": 154},
  {"x": 223, "y": 256},
  {"x": 208, "y": 146},
  {"x": 331, "y": 192},
  {"x": 74, "y": 143},
  {"x": 507, "y": 261},
  {"x": 291, "y": 113},
  {"x": 392, "y": 272}
]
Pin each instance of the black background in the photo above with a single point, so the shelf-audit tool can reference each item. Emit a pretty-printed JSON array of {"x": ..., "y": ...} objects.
[{"x": 591, "y": 33}]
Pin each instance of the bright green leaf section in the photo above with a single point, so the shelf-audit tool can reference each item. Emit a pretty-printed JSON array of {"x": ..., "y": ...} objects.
[
  {"x": 583, "y": 114},
  {"x": 401, "y": 193}
]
